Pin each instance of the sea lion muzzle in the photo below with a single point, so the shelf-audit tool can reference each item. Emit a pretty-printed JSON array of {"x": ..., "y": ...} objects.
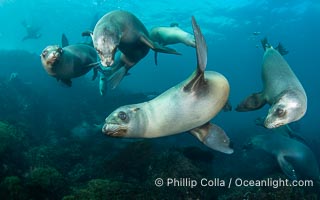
[{"x": 114, "y": 130}]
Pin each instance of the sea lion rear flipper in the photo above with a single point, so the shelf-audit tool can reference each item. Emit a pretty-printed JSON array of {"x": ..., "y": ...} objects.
[
  {"x": 174, "y": 24},
  {"x": 202, "y": 53},
  {"x": 286, "y": 167},
  {"x": 252, "y": 102},
  {"x": 265, "y": 44},
  {"x": 227, "y": 107},
  {"x": 280, "y": 48},
  {"x": 86, "y": 33},
  {"x": 157, "y": 47},
  {"x": 64, "y": 40},
  {"x": 116, "y": 78},
  {"x": 213, "y": 137},
  {"x": 67, "y": 82}
]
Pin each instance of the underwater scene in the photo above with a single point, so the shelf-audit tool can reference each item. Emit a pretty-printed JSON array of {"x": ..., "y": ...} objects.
[{"x": 119, "y": 99}]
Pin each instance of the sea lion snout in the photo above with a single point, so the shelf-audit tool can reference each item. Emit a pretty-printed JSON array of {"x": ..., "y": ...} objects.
[
  {"x": 106, "y": 49},
  {"x": 114, "y": 130},
  {"x": 51, "y": 53},
  {"x": 107, "y": 62},
  {"x": 288, "y": 108},
  {"x": 107, "y": 59}
]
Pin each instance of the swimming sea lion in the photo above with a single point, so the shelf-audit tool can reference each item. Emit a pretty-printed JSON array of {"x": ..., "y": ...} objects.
[
  {"x": 112, "y": 76},
  {"x": 281, "y": 89},
  {"x": 187, "y": 106},
  {"x": 32, "y": 31},
  {"x": 124, "y": 31},
  {"x": 171, "y": 35},
  {"x": 69, "y": 61},
  {"x": 295, "y": 158}
]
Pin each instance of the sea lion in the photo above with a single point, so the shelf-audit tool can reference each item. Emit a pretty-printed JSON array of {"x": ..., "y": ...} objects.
[
  {"x": 32, "y": 31},
  {"x": 171, "y": 35},
  {"x": 187, "y": 106},
  {"x": 295, "y": 158},
  {"x": 124, "y": 31},
  {"x": 281, "y": 89},
  {"x": 69, "y": 61}
]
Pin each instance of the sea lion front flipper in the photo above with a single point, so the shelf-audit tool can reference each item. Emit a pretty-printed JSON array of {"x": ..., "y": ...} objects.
[
  {"x": 252, "y": 102},
  {"x": 286, "y": 167},
  {"x": 202, "y": 54},
  {"x": 156, "y": 46},
  {"x": 116, "y": 78},
  {"x": 64, "y": 40},
  {"x": 156, "y": 58},
  {"x": 213, "y": 137}
]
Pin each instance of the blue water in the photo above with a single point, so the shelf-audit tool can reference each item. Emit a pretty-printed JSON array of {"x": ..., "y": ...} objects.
[{"x": 233, "y": 50}]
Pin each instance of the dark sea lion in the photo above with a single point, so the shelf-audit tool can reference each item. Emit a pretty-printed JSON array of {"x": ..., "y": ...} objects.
[
  {"x": 188, "y": 106},
  {"x": 124, "y": 31},
  {"x": 295, "y": 158},
  {"x": 68, "y": 61},
  {"x": 281, "y": 89}
]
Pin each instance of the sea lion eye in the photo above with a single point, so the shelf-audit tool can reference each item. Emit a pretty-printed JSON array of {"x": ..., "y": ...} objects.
[
  {"x": 99, "y": 52},
  {"x": 60, "y": 50},
  {"x": 122, "y": 115},
  {"x": 280, "y": 112},
  {"x": 44, "y": 53}
]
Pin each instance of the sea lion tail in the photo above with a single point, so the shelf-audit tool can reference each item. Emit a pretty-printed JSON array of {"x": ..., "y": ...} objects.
[
  {"x": 201, "y": 46},
  {"x": 213, "y": 137}
]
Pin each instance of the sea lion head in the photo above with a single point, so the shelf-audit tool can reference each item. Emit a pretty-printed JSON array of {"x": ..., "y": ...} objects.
[
  {"x": 123, "y": 122},
  {"x": 106, "y": 43},
  {"x": 50, "y": 55},
  {"x": 289, "y": 107}
]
